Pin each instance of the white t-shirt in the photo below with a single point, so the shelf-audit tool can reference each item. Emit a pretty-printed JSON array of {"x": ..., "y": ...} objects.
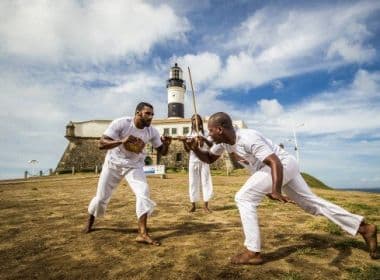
[
  {"x": 193, "y": 157},
  {"x": 123, "y": 127},
  {"x": 252, "y": 147}
]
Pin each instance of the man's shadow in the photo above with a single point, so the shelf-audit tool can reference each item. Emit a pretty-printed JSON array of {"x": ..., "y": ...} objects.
[
  {"x": 189, "y": 228},
  {"x": 116, "y": 229},
  {"x": 318, "y": 242},
  {"x": 182, "y": 229},
  {"x": 310, "y": 240}
]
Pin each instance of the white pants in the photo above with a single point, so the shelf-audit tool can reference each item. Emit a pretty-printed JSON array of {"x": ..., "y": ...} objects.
[
  {"x": 199, "y": 174},
  {"x": 110, "y": 178},
  {"x": 260, "y": 184}
]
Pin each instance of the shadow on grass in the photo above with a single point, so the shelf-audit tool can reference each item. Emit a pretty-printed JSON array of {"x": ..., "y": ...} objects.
[
  {"x": 224, "y": 207},
  {"x": 116, "y": 229},
  {"x": 319, "y": 242},
  {"x": 185, "y": 228},
  {"x": 189, "y": 228}
]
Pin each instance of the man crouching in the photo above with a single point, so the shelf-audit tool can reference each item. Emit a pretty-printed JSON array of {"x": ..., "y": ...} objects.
[{"x": 125, "y": 140}]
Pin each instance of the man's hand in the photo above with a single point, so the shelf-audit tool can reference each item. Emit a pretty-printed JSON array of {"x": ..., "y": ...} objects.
[
  {"x": 183, "y": 139},
  {"x": 193, "y": 142},
  {"x": 279, "y": 197},
  {"x": 133, "y": 144},
  {"x": 201, "y": 141},
  {"x": 164, "y": 148},
  {"x": 166, "y": 140}
]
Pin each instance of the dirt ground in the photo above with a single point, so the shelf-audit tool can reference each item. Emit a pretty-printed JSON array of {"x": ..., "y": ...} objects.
[{"x": 41, "y": 238}]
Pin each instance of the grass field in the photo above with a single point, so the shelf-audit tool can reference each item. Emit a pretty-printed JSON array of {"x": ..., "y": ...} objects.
[{"x": 41, "y": 223}]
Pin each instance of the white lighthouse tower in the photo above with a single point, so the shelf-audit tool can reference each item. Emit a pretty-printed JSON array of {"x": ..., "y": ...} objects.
[{"x": 176, "y": 93}]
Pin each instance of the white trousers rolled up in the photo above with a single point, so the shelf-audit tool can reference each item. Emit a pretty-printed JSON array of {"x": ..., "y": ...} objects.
[
  {"x": 260, "y": 184},
  {"x": 199, "y": 176},
  {"x": 110, "y": 178}
]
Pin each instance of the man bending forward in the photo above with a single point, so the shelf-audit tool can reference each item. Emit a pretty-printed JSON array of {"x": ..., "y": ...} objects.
[{"x": 278, "y": 171}]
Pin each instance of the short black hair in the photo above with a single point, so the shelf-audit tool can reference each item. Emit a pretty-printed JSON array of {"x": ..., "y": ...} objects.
[
  {"x": 221, "y": 119},
  {"x": 141, "y": 106}
]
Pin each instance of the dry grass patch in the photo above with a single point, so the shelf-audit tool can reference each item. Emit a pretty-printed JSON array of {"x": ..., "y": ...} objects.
[{"x": 41, "y": 222}]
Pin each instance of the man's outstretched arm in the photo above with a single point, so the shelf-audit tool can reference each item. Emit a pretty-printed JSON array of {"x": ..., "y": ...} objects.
[
  {"x": 204, "y": 156},
  {"x": 164, "y": 148},
  {"x": 277, "y": 177},
  {"x": 131, "y": 143},
  {"x": 107, "y": 143}
]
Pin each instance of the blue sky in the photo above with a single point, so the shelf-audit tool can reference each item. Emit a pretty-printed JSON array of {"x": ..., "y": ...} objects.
[{"x": 274, "y": 64}]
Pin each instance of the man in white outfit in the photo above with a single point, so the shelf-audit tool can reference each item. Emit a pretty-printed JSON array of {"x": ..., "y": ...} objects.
[
  {"x": 199, "y": 171},
  {"x": 125, "y": 140},
  {"x": 275, "y": 171}
]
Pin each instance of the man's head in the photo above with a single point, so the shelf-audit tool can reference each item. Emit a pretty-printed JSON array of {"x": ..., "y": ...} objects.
[
  {"x": 143, "y": 114},
  {"x": 220, "y": 128}
]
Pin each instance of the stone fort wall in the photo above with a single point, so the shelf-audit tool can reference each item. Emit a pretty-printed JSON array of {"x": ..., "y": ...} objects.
[{"x": 83, "y": 155}]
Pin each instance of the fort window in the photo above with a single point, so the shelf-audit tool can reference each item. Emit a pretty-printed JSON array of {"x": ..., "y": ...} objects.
[
  {"x": 166, "y": 131},
  {"x": 174, "y": 131},
  {"x": 185, "y": 130},
  {"x": 178, "y": 157}
]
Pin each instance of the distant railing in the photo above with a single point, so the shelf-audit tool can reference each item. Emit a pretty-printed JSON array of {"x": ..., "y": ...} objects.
[
  {"x": 40, "y": 173},
  {"x": 148, "y": 169}
]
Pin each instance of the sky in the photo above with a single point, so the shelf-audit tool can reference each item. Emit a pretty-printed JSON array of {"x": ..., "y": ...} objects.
[{"x": 309, "y": 67}]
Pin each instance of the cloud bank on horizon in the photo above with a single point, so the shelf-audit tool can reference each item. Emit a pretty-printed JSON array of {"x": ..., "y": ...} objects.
[{"x": 276, "y": 66}]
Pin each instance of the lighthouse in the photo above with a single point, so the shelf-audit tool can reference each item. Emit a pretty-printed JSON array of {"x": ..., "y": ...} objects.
[{"x": 176, "y": 93}]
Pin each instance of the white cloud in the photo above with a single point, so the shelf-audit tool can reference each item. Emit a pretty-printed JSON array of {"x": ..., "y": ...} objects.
[
  {"x": 33, "y": 120},
  {"x": 270, "y": 108},
  {"x": 27, "y": 103},
  {"x": 350, "y": 51},
  {"x": 350, "y": 109},
  {"x": 338, "y": 142},
  {"x": 85, "y": 31},
  {"x": 203, "y": 66},
  {"x": 34, "y": 111},
  {"x": 366, "y": 84},
  {"x": 275, "y": 43},
  {"x": 208, "y": 102},
  {"x": 345, "y": 112},
  {"x": 131, "y": 90}
]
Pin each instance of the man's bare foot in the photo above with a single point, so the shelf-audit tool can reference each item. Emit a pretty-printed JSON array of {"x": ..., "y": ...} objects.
[
  {"x": 207, "y": 210},
  {"x": 192, "y": 209},
  {"x": 90, "y": 222},
  {"x": 146, "y": 239},
  {"x": 369, "y": 233},
  {"x": 247, "y": 257}
]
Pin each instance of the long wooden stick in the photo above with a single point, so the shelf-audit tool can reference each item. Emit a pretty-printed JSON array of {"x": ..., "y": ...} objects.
[{"x": 195, "y": 107}]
